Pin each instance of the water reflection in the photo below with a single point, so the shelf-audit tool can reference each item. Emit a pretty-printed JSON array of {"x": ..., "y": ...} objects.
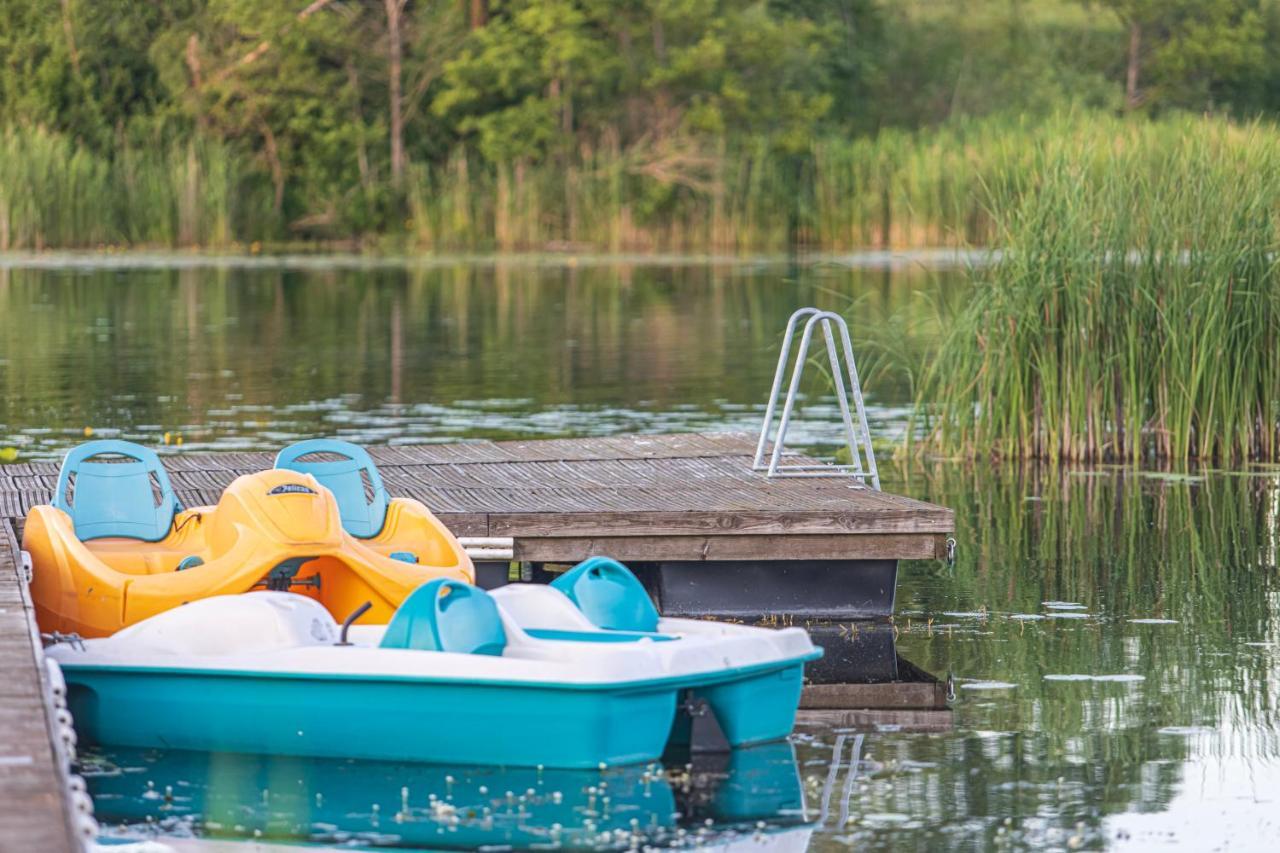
[
  {"x": 1112, "y": 637},
  {"x": 233, "y": 358},
  {"x": 747, "y": 799},
  {"x": 857, "y": 652}
]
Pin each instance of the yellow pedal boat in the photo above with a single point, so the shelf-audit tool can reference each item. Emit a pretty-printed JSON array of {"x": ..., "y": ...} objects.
[{"x": 117, "y": 547}]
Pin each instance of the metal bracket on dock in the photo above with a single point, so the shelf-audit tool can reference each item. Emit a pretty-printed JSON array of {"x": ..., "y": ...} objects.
[
  {"x": 500, "y": 548},
  {"x": 858, "y": 439}
]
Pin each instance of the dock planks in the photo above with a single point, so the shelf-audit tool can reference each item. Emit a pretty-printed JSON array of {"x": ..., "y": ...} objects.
[
  {"x": 679, "y": 497},
  {"x": 33, "y": 812}
]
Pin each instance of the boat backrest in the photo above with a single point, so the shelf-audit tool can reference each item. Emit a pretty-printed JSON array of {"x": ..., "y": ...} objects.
[
  {"x": 609, "y": 595},
  {"x": 131, "y": 499},
  {"x": 447, "y": 616},
  {"x": 352, "y": 477}
]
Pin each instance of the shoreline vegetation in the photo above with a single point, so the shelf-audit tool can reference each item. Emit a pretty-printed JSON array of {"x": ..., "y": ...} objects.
[
  {"x": 953, "y": 187},
  {"x": 898, "y": 190},
  {"x": 1129, "y": 313},
  {"x": 534, "y": 125},
  {"x": 1134, "y": 312}
]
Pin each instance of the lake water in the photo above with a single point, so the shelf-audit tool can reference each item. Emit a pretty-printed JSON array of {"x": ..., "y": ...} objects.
[
  {"x": 1112, "y": 634},
  {"x": 232, "y": 357}
]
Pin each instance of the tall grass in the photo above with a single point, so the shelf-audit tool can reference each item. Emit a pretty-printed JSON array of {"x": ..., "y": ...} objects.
[
  {"x": 56, "y": 194},
  {"x": 896, "y": 189},
  {"x": 47, "y": 190},
  {"x": 1135, "y": 313},
  {"x": 893, "y": 190},
  {"x": 955, "y": 185}
]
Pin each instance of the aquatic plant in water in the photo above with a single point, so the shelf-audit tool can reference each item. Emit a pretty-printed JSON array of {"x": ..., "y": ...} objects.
[{"x": 1134, "y": 313}]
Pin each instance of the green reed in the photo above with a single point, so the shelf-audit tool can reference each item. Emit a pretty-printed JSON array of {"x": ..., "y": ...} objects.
[
  {"x": 1135, "y": 312},
  {"x": 964, "y": 183},
  {"x": 44, "y": 183},
  {"x": 175, "y": 194},
  {"x": 896, "y": 189}
]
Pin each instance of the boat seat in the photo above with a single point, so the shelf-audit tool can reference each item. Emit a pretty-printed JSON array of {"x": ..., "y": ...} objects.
[
  {"x": 132, "y": 500},
  {"x": 447, "y": 616},
  {"x": 609, "y": 595},
  {"x": 353, "y": 479}
]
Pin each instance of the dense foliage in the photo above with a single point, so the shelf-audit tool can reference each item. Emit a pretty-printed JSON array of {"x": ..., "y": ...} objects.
[{"x": 343, "y": 119}]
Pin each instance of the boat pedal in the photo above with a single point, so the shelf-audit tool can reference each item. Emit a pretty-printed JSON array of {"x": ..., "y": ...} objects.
[{"x": 283, "y": 577}]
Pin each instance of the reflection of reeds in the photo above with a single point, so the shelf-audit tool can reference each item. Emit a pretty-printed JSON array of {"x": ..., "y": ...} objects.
[
  {"x": 1124, "y": 545},
  {"x": 275, "y": 338},
  {"x": 1052, "y": 753},
  {"x": 1135, "y": 313}
]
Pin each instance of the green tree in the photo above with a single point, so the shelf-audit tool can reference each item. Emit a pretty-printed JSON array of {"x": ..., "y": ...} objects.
[
  {"x": 82, "y": 68},
  {"x": 541, "y": 73},
  {"x": 1182, "y": 52}
]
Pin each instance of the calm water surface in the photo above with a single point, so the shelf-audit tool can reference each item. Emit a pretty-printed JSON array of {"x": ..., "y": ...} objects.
[
  {"x": 235, "y": 358},
  {"x": 1112, "y": 634}
]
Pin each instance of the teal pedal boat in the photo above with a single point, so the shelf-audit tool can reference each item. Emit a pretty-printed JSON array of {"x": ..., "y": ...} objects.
[{"x": 454, "y": 677}]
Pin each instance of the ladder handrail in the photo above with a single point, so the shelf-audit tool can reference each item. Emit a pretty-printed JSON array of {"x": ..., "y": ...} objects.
[
  {"x": 777, "y": 383},
  {"x": 858, "y": 439},
  {"x": 855, "y": 387}
]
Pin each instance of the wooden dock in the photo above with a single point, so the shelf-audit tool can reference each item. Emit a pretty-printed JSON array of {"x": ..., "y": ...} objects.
[
  {"x": 706, "y": 534},
  {"x": 33, "y": 808},
  {"x": 674, "y": 497}
]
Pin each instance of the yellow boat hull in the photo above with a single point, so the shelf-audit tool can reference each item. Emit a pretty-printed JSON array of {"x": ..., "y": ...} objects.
[{"x": 264, "y": 521}]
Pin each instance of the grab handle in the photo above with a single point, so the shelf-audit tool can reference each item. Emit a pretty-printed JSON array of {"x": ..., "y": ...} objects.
[{"x": 350, "y": 620}]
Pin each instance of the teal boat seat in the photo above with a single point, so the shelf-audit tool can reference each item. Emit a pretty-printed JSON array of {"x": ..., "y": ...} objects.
[
  {"x": 594, "y": 636},
  {"x": 609, "y": 595},
  {"x": 133, "y": 500},
  {"x": 447, "y": 616},
  {"x": 353, "y": 479}
]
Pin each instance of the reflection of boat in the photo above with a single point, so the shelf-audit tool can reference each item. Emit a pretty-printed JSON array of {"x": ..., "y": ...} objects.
[
  {"x": 744, "y": 785},
  {"x": 452, "y": 677},
  {"x": 226, "y": 794},
  {"x": 437, "y": 806},
  {"x": 116, "y": 547}
]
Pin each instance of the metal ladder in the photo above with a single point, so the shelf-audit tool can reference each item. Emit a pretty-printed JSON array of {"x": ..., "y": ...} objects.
[{"x": 858, "y": 439}]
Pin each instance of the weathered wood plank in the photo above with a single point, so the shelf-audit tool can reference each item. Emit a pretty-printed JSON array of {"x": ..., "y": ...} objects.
[
  {"x": 692, "y": 523},
  {"x": 33, "y": 815},
  {"x": 888, "y": 696},
  {"x": 873, "y": 546}
]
